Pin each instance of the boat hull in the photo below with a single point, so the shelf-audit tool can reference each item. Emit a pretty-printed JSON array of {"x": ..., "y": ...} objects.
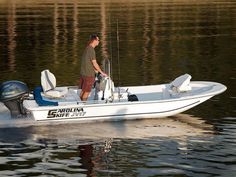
[{"x": 116, "y": 111}]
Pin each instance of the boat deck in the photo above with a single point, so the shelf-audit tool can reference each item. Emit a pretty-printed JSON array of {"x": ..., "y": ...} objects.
[{"x": 143, "y": 93}]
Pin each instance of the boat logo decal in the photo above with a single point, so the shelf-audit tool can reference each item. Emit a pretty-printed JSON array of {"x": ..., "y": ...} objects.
[{"x": 66, "y": 112}]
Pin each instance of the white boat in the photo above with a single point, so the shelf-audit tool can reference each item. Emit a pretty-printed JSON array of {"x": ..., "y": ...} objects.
[{"x": 106, "y": 102}]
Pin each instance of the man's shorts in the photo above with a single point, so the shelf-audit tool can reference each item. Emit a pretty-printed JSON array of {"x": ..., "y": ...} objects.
[{"x": 86, "y": 83}]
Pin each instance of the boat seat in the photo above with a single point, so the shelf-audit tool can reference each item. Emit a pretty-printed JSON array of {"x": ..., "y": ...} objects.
[
  {"x": 48, "y": 83},
  {"x": 181, "y": 84}
]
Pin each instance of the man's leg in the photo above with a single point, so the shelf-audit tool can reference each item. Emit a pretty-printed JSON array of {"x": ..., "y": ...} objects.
[
  {"x": 86, "y": 84},
  {"x": 81, "y": 94},
  {"x": 84, "y": 96}
]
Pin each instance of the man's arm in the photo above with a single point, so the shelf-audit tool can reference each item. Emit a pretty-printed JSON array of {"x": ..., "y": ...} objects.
[{"x": 97, "y": 67}]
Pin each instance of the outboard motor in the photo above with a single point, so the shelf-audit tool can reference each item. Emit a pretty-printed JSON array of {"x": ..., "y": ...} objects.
[{"x": 12, "y": 94}]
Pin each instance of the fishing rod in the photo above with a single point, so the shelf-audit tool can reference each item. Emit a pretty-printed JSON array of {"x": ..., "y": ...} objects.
[
  {"x": 110, "y": 36},
  {"x": 118, "y": 55}
]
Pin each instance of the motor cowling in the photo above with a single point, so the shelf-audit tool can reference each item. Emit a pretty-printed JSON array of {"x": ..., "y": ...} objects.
[{"x": 12, "y": 94}]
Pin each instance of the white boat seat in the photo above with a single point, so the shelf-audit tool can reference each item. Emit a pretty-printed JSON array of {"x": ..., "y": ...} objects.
[
  {"x": 181, "y": 84},
  {"x": 48, "y": 83}
]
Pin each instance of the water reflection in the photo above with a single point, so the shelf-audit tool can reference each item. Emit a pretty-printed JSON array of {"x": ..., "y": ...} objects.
[
  {"x": 150, "y": 56},
  {"x": 56, "y": 32},
  {"x": 64, "y": 27},
  {"x": 104, "y": 35},
  {"x": 11, "y": 33},
  {"x": 76, "y": 32},
  {"x": 86, "y": 155}
]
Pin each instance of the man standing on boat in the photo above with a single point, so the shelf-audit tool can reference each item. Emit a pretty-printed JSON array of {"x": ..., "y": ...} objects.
[{"x": 89, "y": 67}]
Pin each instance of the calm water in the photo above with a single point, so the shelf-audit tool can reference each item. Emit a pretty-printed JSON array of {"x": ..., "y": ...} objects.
[{"x": 158, "y": 40}]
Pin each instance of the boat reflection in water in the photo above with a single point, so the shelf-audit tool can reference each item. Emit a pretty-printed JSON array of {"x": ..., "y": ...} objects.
[
  {"x": 179, "y": 126},
  {"x": 90, "y": 148},
  {"x": 93, "y": 143}
]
